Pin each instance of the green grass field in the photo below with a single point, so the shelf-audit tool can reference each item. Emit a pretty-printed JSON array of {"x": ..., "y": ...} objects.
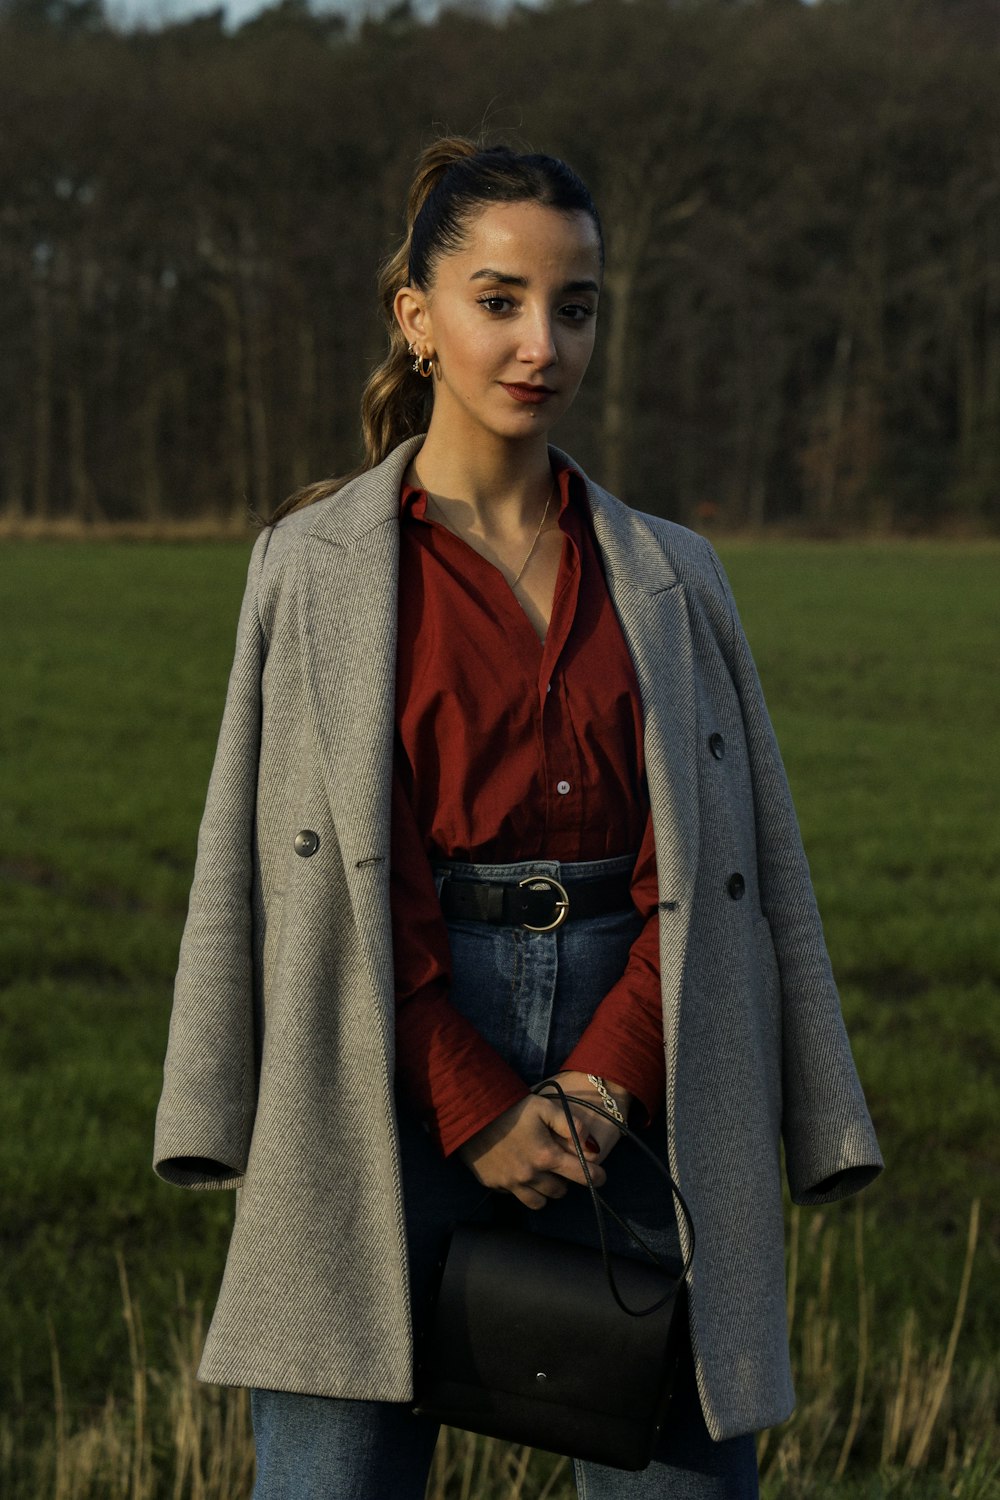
[{"x": 880, "y": 666}]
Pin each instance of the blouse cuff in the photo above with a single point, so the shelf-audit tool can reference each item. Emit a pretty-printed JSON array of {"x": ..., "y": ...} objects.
[
  {"x": 451, "y": 1075},
  {"x": 644, "y": 1076}
]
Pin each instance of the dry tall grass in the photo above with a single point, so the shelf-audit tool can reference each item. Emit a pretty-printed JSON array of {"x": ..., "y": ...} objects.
[
  {"x": 176, "y": 1438},
  {"x": 931, "y": 1418}
]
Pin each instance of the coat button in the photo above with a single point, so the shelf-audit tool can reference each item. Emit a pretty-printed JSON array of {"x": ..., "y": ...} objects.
[
  {"x": 717, "y": 745},
  {"x": 306, "y": 842},
  {"x": 737, "y": 886}
]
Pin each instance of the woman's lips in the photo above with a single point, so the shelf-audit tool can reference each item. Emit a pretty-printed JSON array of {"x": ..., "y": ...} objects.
[{"x": 532, "y": 395}]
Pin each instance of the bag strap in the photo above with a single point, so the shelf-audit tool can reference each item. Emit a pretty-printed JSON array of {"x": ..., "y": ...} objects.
[{"x": 550, "y": 1089}]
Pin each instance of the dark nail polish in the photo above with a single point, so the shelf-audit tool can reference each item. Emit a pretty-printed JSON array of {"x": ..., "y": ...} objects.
[{"x": 592, "y": 1145}]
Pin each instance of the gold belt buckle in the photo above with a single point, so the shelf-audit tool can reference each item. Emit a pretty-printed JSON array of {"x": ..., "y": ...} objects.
[{"x": 548, "y": 882}]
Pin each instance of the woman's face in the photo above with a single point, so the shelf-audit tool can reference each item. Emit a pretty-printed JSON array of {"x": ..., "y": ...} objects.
[{"x": 509, "y": 319}]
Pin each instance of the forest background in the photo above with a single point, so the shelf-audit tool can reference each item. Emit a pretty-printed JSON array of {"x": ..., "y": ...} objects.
[
  {"x": 799, "y": 341},
  {"x": 801, "y": 320}
]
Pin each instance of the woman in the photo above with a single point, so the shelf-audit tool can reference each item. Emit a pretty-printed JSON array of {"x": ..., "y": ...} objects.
[{"x": 469, "y": 684}]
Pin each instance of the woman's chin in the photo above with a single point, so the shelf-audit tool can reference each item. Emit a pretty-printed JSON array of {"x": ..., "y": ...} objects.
[{"x": 523, "y": 422}]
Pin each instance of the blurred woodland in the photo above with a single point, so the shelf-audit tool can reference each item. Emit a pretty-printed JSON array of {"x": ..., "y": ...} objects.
[{"x": 801, "y": 319}]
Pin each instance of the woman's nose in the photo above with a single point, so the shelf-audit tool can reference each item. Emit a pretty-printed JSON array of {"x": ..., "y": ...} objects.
[{"x": 538, "y": 344}]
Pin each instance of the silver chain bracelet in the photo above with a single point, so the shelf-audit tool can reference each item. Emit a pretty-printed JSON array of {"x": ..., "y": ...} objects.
[{"x": 606, "y": 1098}]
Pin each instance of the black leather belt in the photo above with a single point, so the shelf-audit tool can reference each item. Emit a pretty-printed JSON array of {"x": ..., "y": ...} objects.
[{"x": 538, "y": 902}]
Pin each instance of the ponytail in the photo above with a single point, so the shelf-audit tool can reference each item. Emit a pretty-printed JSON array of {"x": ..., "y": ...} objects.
[{"x": 396, "y": 404}]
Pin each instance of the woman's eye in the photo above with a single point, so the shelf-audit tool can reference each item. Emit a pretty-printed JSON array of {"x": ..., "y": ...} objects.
[
  {"x": 578, "y": 312},
  {"x": 494, "y": 303}
]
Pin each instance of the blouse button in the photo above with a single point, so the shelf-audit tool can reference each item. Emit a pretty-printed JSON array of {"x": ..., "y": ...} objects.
[
  {"x": 717, "y": 745},
  {"x": 562, "y": 787}
]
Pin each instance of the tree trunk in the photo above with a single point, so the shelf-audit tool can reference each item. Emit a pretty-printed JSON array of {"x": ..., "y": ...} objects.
[
  {"x": 235, "y": 401},
  {"x": 151, "y": 481},
  {"x": 630, "y": 218},
  {"x": 767, "y": 425},
  {"x": 836, "y": 407},
  {"x": 305, "y": 406},
  {"x": 82, "y": 493},
  {"x": 12, "y": 502},
  {"x": 256, "y": 399},
  {"x": 615, "y": 424},
  {"x": 42, "y": 392},
  {"x": 84, "y": 504}
]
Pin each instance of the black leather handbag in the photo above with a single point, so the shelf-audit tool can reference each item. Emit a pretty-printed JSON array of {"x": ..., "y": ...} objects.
[{"x": 556, "y": 1345}]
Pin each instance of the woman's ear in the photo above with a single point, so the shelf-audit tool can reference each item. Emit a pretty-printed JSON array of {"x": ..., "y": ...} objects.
[{"x": 410, "y": 309}]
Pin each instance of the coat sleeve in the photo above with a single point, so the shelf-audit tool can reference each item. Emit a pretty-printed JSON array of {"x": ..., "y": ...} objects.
[
  {"x": 206, "y": 1111},
  {"x": 831, "y": 1149}
]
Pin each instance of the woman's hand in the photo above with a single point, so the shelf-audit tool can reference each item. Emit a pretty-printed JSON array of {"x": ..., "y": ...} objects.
[
  {"x": 600, "y": 1128},
  {"x": 524, "y": 1151}
]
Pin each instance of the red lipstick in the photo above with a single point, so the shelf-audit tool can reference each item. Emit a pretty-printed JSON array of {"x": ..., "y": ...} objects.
[{"x": 531, "y": 395}]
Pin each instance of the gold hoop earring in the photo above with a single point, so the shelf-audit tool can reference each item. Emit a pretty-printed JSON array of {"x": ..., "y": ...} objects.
[{"x": 418, "y": 364}]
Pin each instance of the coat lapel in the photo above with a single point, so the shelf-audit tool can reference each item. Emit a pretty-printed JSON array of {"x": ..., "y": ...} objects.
[
  {"x": 652, "y": 608},
  {"x": 347, "y": 624},
  {"x": 651, "y": 605}
]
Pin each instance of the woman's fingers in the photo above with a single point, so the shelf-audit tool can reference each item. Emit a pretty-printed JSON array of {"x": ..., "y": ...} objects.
[
  {"x": 567, "y": 1165},
  {"x": 556, "y": 1121},
  {"x": 541, "y": 1190},
  {"x": 593, "y": 1136},
  {"x": 548, "y": 1171},
  {"x": 521, "y": 1153},
  {"x": 602, "y": 1136},
  {"x": 552, "y": 1153},
  {"x": 593, "y": 1132},
  {"x": 530, "y": 1198}
]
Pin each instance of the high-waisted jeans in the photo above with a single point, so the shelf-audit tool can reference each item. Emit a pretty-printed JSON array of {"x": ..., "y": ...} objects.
[{"x": 530, "y": 995}]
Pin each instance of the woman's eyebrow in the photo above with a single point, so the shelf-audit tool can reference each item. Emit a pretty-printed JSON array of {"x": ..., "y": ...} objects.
[{"x": 487, "y": 274}]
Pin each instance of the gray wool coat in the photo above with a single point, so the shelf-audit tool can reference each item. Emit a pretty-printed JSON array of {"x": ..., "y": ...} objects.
[{"x": 278, "y": 1078}]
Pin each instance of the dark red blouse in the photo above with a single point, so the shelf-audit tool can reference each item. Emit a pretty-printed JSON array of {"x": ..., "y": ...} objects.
[{"x": 508, "y": 748}]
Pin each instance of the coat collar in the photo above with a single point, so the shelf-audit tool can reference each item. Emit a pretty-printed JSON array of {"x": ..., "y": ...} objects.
[
  {"x": 348, "y": 623},
  {"x": 372, "y": 500},
  {"x": 365, "y": 503}
]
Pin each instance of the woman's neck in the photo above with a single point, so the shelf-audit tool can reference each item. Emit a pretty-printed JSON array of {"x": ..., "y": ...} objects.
[{"x": 496, "y": 488}]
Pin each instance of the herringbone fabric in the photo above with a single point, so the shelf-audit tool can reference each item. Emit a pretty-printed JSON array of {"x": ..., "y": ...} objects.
[{"x": 278, "y": 1076}]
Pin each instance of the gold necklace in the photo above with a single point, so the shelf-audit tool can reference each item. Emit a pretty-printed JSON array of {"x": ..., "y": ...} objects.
[
  {"x": 531, "y": 549},
  {"x": 548, "y": 502}
]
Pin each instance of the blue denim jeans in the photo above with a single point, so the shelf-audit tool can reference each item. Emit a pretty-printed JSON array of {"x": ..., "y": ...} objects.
[{"x": 530, "y": 995}]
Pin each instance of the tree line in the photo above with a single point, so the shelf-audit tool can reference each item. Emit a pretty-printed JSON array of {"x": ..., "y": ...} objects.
[{"x": 801, "y": 317}]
